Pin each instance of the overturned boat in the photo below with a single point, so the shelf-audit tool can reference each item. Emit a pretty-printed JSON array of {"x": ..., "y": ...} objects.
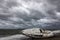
[{"x": 38, "y": 33}]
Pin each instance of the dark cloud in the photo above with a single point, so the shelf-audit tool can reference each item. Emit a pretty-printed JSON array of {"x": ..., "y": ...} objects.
[{"x": 29, "y": 13}]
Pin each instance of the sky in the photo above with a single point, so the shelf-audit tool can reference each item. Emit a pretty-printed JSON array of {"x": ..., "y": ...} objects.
[{"x": 16, "y": 14}]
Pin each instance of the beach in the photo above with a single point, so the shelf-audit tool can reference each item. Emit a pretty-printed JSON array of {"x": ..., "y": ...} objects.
[{"x": 23, "y": 37}]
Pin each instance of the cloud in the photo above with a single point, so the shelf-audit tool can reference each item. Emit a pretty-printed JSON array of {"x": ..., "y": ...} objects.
[
  {"x": 57, "y": 14},
  {"x": 47, "y": 20},
  {"x": 28, "y": 13}
]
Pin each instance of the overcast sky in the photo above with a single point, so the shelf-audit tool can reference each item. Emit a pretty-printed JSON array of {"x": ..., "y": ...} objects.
[{"x": 29, "y": 13}]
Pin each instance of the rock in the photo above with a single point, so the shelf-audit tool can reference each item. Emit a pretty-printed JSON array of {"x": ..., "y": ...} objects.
[{"x": 37, "y": 33}]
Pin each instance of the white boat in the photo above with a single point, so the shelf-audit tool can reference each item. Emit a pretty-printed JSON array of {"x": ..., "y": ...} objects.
[{"x": 38, "y": 33}]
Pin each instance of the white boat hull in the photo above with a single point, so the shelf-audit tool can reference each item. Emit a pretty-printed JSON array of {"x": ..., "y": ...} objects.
[{"x": 35, "y": 33}]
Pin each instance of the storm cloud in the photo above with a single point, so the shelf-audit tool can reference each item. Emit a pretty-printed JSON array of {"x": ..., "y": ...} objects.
[{"x": 15, "y": 14}]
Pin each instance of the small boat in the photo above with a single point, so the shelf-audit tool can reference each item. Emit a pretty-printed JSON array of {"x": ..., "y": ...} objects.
[{"x": 38, "y": 33}]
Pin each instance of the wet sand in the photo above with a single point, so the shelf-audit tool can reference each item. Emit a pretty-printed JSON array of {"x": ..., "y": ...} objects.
[
  {"x": 23, "y": 37},
  {"x": 52, "y": 38}
]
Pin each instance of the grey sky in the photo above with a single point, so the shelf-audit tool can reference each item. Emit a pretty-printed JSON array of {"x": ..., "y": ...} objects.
[{"x": 29, "y": 13}]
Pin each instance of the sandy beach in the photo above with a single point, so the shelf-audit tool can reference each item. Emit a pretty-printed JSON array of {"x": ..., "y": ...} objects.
[{"x": 23, "y": 37}]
